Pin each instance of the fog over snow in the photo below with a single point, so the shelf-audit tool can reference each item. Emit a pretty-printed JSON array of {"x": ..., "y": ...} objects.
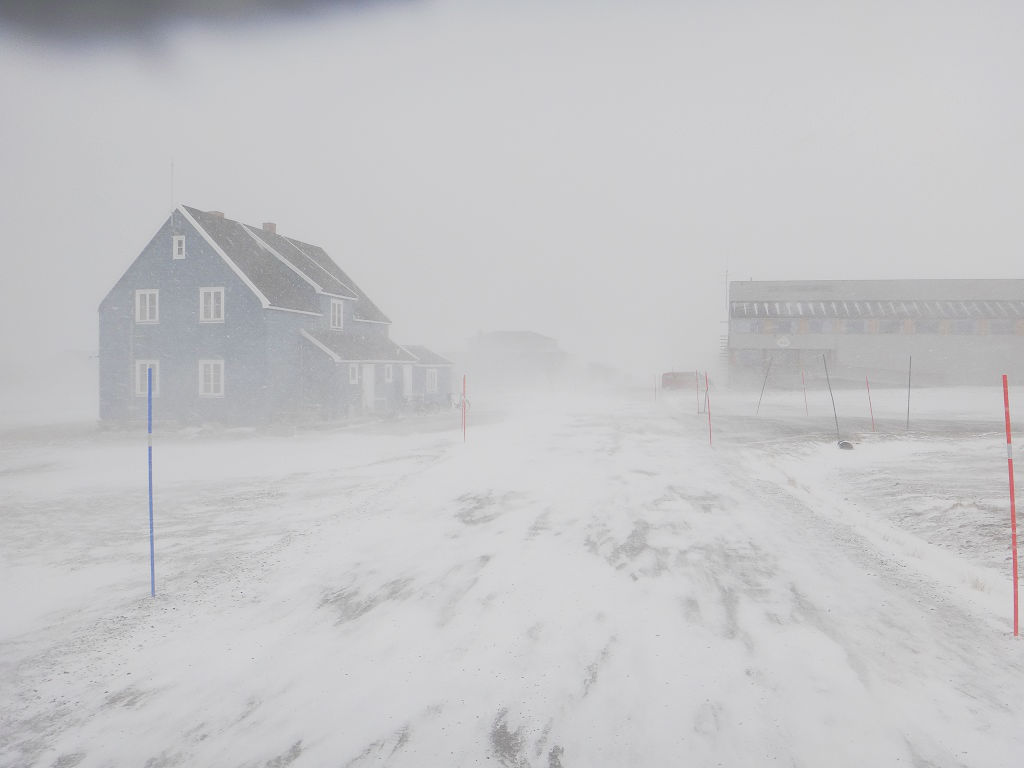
[
  {"x": 588, "y": 171},
  {"x": 592, "y": 577}
]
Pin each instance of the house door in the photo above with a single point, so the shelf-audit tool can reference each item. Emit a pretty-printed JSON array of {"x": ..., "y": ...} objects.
[
  {"x": 368, "y": 381},
  {"x": 406, "y": 381}
]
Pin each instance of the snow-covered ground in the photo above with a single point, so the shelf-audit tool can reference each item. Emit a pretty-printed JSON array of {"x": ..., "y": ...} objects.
[{"x": 584, "y": 582}]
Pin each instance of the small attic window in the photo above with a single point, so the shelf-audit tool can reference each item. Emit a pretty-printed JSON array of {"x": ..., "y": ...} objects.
[{"x": 178, "y": 246}]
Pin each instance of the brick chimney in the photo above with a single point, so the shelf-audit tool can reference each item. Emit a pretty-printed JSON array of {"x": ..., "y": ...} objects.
[{"x": 269, "y": 226}]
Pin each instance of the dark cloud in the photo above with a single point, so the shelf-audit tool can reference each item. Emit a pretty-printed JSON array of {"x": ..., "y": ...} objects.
[{"x": 98, "y": 19}]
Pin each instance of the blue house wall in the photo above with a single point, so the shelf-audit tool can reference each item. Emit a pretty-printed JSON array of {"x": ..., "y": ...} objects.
[{"x": 178, "y": 340}]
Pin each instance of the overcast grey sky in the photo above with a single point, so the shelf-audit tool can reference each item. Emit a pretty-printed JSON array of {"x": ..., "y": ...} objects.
[{"x": 585, "y": 170}]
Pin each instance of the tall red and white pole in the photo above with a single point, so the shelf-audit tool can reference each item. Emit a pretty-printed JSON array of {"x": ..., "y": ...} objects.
[
  {"x": 1013, "y": 506},
  {"x": 463, "y": 407}
]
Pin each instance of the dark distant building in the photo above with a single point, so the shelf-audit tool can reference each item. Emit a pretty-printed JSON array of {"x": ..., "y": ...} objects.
[
  {"x": 514, "y": 359},
  {"x": 955, "y": 331},
  {"x": 241, "y": 325}
]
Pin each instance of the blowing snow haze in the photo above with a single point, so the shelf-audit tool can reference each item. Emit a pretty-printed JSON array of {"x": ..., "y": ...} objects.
[{"x": 586, "y": 171}]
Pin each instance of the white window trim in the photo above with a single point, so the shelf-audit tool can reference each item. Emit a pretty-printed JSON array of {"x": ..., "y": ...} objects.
[
  {"x": 353, "y": 373},
  {"x": 202, "y": 382},
  {"x": 431, "y": 380},
  {"x": 337, "y": 308},
  {"x": 155, "y": 304},
  {"x": 176, "y": 241},
  {"x": 389, "y": 373},
  {"x": 202, "y": 305},
  {"x": 141, "y": 384}
]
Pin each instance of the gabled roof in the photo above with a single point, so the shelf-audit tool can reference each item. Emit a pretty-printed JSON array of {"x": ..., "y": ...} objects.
[
  {"x": 287, "y": 273},
  {"x": 424, "y": 356},
  {"x": 347, "y": 347}
]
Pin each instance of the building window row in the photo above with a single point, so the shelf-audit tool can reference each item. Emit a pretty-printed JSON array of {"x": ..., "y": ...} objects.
[
  {"x": 890, "y": 325},
  {"x": 211, "y": 378},
  {"x": 147, "y": 305}
]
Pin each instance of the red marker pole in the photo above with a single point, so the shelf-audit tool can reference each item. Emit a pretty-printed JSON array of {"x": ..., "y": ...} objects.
[
  {"x": 707, "y": 404},
  {"x": 463, "y": 407},
  {"x": 804, "y": 382},
  {"x": 1013, "y": 506},
  {"x": 870, "y": 408}
]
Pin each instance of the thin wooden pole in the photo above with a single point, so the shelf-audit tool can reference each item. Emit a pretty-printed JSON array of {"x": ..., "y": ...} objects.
[
  {"x": 910, "y": 365},
  {"x": 870, "y": 407},
  {"x": 829, "y": 382},
  {"x": 765, "y": 384},
  {"x": 707, "y": 404}
]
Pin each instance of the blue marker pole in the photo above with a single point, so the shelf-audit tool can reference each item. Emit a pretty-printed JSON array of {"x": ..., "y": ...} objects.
[{"x": 149, "y": 436}]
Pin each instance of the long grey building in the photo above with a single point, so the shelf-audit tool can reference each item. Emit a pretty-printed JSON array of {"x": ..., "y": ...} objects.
[{"x": 954, "y": 331}]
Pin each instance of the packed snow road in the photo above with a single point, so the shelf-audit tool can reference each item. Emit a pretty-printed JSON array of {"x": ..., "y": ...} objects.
[{"x": 580, "y": 584}]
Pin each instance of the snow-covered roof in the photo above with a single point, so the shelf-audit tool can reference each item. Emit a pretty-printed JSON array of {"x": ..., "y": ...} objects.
[{"x": 347, "y": 347}]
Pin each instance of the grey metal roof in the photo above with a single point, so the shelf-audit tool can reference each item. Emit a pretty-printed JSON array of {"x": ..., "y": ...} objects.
[
  {"x": 1009, "y": 310},
  {"x": 274, "y": 279},
  {"x": 359, "y": 348},
  {"x": 365, "y": 309},
  {"x": 425, "y": 356},
  {"x": 253, "y": 250},
  {"x": 301, "y": 261}
]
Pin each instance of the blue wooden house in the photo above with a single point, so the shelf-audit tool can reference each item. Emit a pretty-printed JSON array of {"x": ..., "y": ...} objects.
[{"x": 241, "y": 325}]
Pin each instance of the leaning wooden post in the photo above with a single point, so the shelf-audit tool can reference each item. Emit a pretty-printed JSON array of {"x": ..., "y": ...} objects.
[
  {"x": 910, "y": 365},
  {"x": 707, "y": 404},
  {"x": 870, "y": 407}
]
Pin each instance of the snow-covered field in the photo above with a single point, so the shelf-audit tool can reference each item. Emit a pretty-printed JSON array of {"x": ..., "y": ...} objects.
[{"x": 584, "y": 582}]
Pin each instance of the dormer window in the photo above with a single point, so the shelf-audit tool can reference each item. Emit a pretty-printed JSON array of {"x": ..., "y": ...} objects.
[
  {"x": 337, "y": 314},
  {"x": 178, "y": 246}
]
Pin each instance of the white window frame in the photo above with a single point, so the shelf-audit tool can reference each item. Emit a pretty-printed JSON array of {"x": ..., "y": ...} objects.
[
  {"x": 148, "y": 299},
  {"x": 389, "y": 373},
  {"x": 177, "y": 246},
  {"x": 213, "y": 391},
  {"x": 141, "y": 384},
  {"x": 337, "y": 315},
  {"x": 214, "y": 293},
  {"x": 432, "y": 380},
  {"x": 353, "y": 373}
]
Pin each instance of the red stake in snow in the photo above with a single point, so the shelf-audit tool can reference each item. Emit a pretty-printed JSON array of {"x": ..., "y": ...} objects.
[
  {"x": 1013, "y": 506},
  {"x": 707, "y": 404},
  {"x": 463, "y": 407},
  {"x": 696, "y": 378},
  {"x": 870, "y": 408}
]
